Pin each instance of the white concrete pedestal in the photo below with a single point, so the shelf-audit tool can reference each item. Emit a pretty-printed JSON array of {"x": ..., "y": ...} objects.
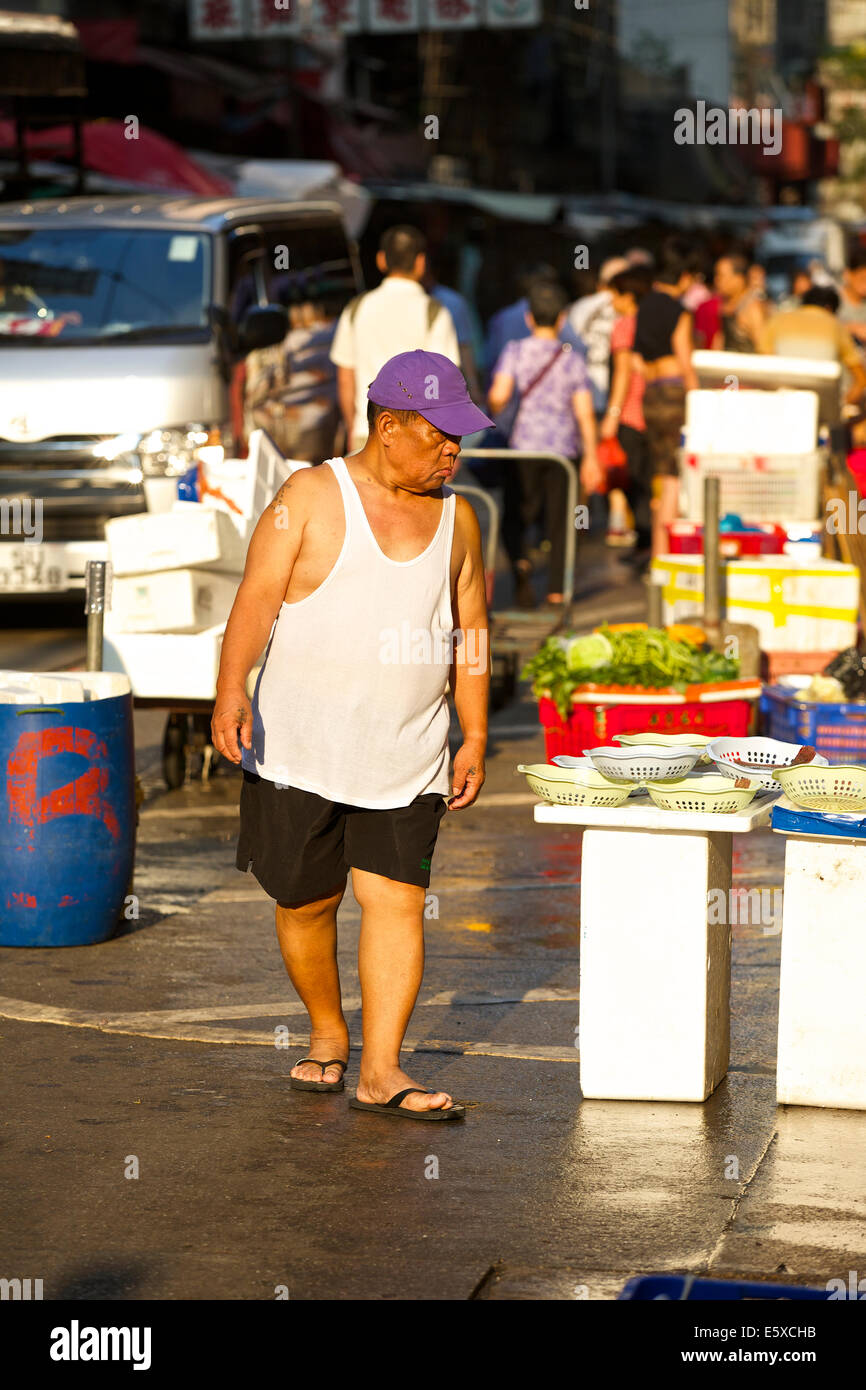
[
  {"x": 655, "y": 957},
  {"x": 654, "y": 975},
  {"x": 822, "y": 988}
]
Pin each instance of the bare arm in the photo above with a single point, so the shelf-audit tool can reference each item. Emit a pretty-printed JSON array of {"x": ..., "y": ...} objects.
[
  {"x": 500, "y": 393},
  {"x": 622, "y": 369},
  {"x": 591, "y": 475},
  {"x": 346, "y": 400},
  {"x": 682, "y": 344},
  {"x": 272, "y": 553},
  {"x": 471, "y": 669}
]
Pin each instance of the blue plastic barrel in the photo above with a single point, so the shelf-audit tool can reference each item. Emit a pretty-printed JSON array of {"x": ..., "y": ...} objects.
[{"x": 67, "y": 820}]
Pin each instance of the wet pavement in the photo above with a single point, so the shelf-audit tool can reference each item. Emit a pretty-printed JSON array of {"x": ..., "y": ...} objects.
[{"x": 165, "y": 1052}]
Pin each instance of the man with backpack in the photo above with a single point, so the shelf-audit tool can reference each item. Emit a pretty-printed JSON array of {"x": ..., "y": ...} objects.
[{"x": 398, "y": 316}]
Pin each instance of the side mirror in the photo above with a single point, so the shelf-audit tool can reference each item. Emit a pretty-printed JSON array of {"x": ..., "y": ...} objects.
[{"x": 263, "y": 326}]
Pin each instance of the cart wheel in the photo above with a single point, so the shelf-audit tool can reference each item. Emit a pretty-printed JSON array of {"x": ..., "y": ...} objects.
[
  {"x": 174, "y": 751},
  {"x": 202, "y": 755}
]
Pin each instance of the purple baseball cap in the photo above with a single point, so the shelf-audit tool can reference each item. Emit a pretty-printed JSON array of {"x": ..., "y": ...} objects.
[{"x": 432, "y": 385}]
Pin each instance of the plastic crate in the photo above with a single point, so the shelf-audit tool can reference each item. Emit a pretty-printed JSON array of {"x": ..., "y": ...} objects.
[
  {"x": 776, "y": 664},
  {"x": 836, "y": 730},
  {"x": 761, "y": 487},
  {"x": 685, "y": 1288},
  {"x": 687, "y": 538},
  {"x": 593, "y": 725}
]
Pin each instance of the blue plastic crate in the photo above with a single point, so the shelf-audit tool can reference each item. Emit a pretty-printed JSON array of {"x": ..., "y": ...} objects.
[
  {"x": 836, "y": 730},
  {"x": 686, "y": 1288}
]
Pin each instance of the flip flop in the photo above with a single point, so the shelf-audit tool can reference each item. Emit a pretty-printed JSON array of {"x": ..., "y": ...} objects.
[
  {"x": 297, "y": 1083},
  {"x": 395, "y": 1110}
]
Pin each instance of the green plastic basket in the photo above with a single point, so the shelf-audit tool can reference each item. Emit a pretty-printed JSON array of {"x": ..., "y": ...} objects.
[
  {"x": 573, "y": 786},
  {"x": 839, "y": 789},
  {"x": 709, "y": 794}
]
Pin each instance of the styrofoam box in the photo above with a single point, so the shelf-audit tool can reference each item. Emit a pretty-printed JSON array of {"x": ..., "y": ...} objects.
[
  {"x": 50, "y": 687},
  {"x": 768, "y": 487},
  {"x": 161, "y": 665},
  {"x": 190, "y": 535},
  {"x": 187, "y": 600},
  {"x": 797, "y": 605},
  {"x": 756, "y": 422},
  {"x": 248, "y": 484}
]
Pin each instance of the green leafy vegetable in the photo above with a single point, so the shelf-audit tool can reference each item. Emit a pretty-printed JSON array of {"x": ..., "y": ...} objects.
[{"x": 638, "y": 656}]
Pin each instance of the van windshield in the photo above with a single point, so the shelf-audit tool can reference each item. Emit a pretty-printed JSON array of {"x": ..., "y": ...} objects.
[{"x": 101, "y": 284}]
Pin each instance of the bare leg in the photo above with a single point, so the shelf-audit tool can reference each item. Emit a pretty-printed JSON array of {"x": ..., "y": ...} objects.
[
  {"x": 390, "y": 964},
  {"x": 664, "y": 513},
  {"x": 307, "y": 933}
]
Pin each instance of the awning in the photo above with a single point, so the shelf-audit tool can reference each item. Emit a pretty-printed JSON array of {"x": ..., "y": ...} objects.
[{"x": 148, "y": 161}]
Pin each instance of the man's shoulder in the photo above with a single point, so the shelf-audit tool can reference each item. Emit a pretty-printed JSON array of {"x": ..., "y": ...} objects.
[{"x": 307, "y": 485}]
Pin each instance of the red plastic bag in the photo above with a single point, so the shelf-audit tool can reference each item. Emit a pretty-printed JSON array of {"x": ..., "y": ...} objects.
[{"x": 612, "y": 459}]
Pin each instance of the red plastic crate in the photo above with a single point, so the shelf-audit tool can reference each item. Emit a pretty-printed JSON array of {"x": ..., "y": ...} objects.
[
  {"x": 687, "y": 538},
  {"x": 592, "y": 726}
]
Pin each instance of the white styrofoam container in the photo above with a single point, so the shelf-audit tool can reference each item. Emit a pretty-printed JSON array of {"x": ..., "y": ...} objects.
[
  {"x": 170, "y": 665},
  {"x": 822, "y": 1022},
  {"x": 190, "y": 535},
  {"x": 47, "y": 687},
  {"x": 756, "y": 422},
  {"x": 249, "y": 484},
  {"x": 187, "y": 600},
  {"x": 772, "y": 487},
  {"x": 654, "y": 970},
  {"x": 51, "y": 687},
  {"x": 797, "y": 604}
]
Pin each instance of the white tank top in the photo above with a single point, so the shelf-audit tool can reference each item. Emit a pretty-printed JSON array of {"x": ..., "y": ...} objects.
[{"x": 351, "y": 700}]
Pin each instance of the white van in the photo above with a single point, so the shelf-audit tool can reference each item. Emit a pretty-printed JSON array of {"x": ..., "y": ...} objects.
[{"x": 135, "y": 332}]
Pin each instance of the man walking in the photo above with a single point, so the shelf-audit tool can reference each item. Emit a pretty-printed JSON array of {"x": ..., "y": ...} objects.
[
  {"x": 395, "y": 317},
  {"x": 367, "y": 572}
]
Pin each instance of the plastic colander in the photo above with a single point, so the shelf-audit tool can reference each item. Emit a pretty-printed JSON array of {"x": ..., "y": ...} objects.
[
  {"x": 644, "y": 763},
  {"x": 709, "y": 793},
  {"x": 840, "y": 789},
  {"x": 574, "y": 786}
]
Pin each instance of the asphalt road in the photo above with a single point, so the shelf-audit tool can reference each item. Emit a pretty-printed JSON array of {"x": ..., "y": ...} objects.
[{"x": 151, "y": 1146}]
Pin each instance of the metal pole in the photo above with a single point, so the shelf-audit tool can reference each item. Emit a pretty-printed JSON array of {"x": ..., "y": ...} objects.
[
  {"x": 96, "y": 595},
  {"x": 712, "y": 571},
  {"x": 654, "y": 603}
]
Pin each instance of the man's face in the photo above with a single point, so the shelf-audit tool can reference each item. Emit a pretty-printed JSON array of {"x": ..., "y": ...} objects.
[{"x": 421, "y": 455}]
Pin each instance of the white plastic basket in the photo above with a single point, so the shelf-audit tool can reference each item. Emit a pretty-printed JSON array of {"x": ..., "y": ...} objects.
[
  {"x": 642, "y": 763},
  {"x": 757, "y": 758},
  {"x": 772, "y": 487}
]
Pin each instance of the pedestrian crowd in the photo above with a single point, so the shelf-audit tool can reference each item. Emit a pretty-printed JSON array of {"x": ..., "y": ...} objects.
[{"x": 600, "y": 380}]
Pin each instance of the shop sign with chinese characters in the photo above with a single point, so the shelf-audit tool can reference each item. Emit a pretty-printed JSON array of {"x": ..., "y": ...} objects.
[{"x": 232, "y": 19}]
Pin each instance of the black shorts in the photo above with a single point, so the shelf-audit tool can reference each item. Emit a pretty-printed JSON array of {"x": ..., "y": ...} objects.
[{"x": 300, "y": 846}]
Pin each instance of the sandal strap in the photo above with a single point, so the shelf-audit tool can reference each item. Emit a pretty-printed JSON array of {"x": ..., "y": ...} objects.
[
  {"x": 401, "y": 1095},
  {"x": 335, "y": 1062}
]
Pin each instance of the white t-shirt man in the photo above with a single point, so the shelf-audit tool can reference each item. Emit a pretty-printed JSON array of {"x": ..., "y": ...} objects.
[{"x": 398, "y": 316}]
